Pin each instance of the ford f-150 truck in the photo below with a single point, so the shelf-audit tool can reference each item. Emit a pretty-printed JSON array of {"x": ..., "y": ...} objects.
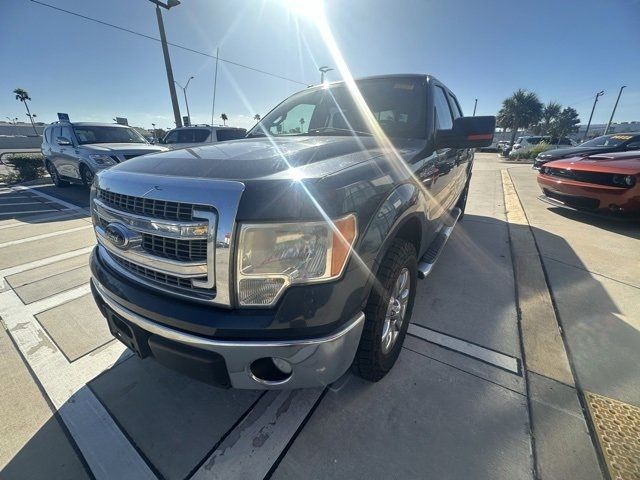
[{"x": 283, "y": 259}]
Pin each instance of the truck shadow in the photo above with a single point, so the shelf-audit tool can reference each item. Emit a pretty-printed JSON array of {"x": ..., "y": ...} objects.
[{"x": 426, "y": 415}]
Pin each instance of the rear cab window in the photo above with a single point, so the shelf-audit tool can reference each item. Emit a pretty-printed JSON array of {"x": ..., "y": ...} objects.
[{"x": 444, "y": 118}]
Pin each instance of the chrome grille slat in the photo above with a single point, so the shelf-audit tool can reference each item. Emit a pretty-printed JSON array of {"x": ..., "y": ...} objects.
[{"x": 148, "y": 207}]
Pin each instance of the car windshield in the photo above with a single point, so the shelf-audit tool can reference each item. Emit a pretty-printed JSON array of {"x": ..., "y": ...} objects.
[
  {"x": 106, "y": 134},
  {"x": 398, "y": 105},
  {"x": 607, "y": 141}
]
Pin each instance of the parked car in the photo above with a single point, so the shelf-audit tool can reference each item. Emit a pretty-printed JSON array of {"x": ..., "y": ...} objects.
[
  {"x": 197, "y": 135},
  {"x": 523, "y": 144},
  {"x": 605, "y": 182},
  {"x": 280, "y": 260},
  {"x": 618, "y": 142},
  {"x": 75, "y": 152}
]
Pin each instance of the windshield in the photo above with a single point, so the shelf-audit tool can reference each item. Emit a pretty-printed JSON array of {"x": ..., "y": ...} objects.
[
  {"x": 607, "y": 141},
  {"x": 398, "y": 104},
  {"x": 107, "y": 134}
]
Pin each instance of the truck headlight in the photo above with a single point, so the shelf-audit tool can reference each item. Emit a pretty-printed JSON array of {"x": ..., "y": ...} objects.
[
  {"x": 272, "y": 256},
  {"x": 102, "y": 160}
]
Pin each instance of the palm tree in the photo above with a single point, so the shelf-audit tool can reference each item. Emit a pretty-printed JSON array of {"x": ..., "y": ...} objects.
[
  {"x": 224, "y": 118},
  {"x": 550, "y": 113},
  {"x": 301, "y": 124},
  {"x": 23, "y": 96},
  {"x": 521, "y": 110},
  {"x": 256, "y": 117}
]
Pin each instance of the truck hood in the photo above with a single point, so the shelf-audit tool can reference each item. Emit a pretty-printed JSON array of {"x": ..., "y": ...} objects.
[
  {"x": 621, "y": 163},
  {"x": 267, "y": 158},
  {"x": 121, "y": 147},
  {"x": 572, "y": 152}
]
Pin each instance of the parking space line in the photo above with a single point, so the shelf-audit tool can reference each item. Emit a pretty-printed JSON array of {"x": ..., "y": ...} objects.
[
  {"x": 41, "y": 263},
  {"x": 23, "y": 203},
  {"x": 44, "y": 235},
  {"x": 497, "y": 359},
  {"x": 47, "y": 217},
  {"x": 59, "y": 201},
  {"x": 252, "y": 448},
  {"x": 29, "y": 211},
  {"x": 58, "y": 299},
  {"x": 104, "y": 446}
]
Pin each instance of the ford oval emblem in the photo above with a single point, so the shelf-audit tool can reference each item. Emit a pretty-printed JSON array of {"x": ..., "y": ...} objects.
[{"x": 119, "y": 235}]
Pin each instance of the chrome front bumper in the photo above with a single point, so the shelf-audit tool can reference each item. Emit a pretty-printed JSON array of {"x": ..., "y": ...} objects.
[{"x": 314, "y": 362}]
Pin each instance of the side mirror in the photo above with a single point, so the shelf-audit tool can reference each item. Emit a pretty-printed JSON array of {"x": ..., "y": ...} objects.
[
  {"x": 63, "y": 141},
  {"x": 467, "y": 132}
]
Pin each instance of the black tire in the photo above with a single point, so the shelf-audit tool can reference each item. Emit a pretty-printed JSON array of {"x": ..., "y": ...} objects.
[
  {"x": 86, "y": 175},
  {"x": 55, "y": 176},
  {"x": 372, "y": 362}
]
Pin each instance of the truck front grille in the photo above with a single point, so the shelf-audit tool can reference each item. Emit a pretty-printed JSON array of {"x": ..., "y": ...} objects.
[
  {"x": 163, "y": 278},
  {"x": 148, "y": 206},
  {"x": 168, "y": 233},
  {"x": 184, "y": 250}
]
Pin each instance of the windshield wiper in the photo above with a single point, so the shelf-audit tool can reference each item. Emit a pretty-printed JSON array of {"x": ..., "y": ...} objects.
[{"x": 333, "y": 131}]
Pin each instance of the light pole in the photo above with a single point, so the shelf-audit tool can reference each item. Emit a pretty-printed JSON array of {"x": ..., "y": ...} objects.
[
  {"x": 474, "y": 107},
  {"x": 614, "y": 109},
  {"x": 323, "y": 70},
  {"x": 184, "y": 92},
  {"x": 167, "y": 60},
  {"x": 598, "y": 95},
  {"x": 154, "y": 133}
]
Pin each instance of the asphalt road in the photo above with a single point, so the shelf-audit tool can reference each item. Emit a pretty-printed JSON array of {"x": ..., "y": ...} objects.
[{"x": 493, "y": 355}]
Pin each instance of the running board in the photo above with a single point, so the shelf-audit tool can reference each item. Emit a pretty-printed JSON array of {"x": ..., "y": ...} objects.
[{"x": 429, "y": 259}]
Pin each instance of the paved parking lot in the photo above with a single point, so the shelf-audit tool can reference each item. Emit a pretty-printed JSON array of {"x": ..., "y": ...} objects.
[{"x": 527, "y": 326}]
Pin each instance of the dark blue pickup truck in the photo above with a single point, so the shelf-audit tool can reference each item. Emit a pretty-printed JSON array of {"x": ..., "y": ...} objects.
[{"x": 283, "y": 259}]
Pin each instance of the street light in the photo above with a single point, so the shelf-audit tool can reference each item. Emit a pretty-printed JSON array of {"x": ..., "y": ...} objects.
[
  {"x": 184, "y": 91},
  {"x": 167, "y": 60},
  {"x": 598, "y": 95},
  {"x": 474, "y": 107},
  {"x": 323, "y": 70},
  {"x": 614, "y": 109},
  {"x": 154, "y": 133}
]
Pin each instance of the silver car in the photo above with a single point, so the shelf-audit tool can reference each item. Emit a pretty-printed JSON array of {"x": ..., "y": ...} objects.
[{"x": 75, "y": 152}]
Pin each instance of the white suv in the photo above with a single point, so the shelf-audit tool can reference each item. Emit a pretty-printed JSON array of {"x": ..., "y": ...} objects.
[
  {"x": 197, "y": 135},
  {"x": 524, "y": 144}
]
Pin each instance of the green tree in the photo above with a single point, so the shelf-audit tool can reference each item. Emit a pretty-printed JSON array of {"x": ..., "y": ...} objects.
[
  {"x": 224, "y": 118},
  {"x": 521, "y": 110},
  {"x": 23, "y": 96},
  {"x": 256, "y": 117},
  {"x": 566, "y": 122},
  {"x": 550, "y": 113}
]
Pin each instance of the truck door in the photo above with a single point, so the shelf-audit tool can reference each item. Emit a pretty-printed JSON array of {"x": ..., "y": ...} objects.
[
  {"x": 464, "y": 156},
  {"x": 447, "y": 158}
]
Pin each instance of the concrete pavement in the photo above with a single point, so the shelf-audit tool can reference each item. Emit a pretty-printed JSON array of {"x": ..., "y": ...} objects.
[{"x": 461, "y": 403}]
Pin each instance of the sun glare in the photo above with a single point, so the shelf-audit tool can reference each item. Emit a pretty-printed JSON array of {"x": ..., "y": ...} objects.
[{"x": 311, "y": 9}]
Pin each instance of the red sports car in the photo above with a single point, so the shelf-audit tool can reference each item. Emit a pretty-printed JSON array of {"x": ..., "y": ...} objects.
[{"x": 607, "y": 182}]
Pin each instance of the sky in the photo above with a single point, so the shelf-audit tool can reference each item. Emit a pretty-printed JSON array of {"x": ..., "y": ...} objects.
[{"x": 563, "y": 50}]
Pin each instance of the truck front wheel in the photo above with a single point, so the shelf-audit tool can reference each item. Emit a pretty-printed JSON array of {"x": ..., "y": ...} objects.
[{"x": 387, "y": 313}]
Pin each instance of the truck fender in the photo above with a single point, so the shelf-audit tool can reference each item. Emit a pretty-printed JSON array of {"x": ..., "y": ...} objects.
[{"x": 399, "y": 214}]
